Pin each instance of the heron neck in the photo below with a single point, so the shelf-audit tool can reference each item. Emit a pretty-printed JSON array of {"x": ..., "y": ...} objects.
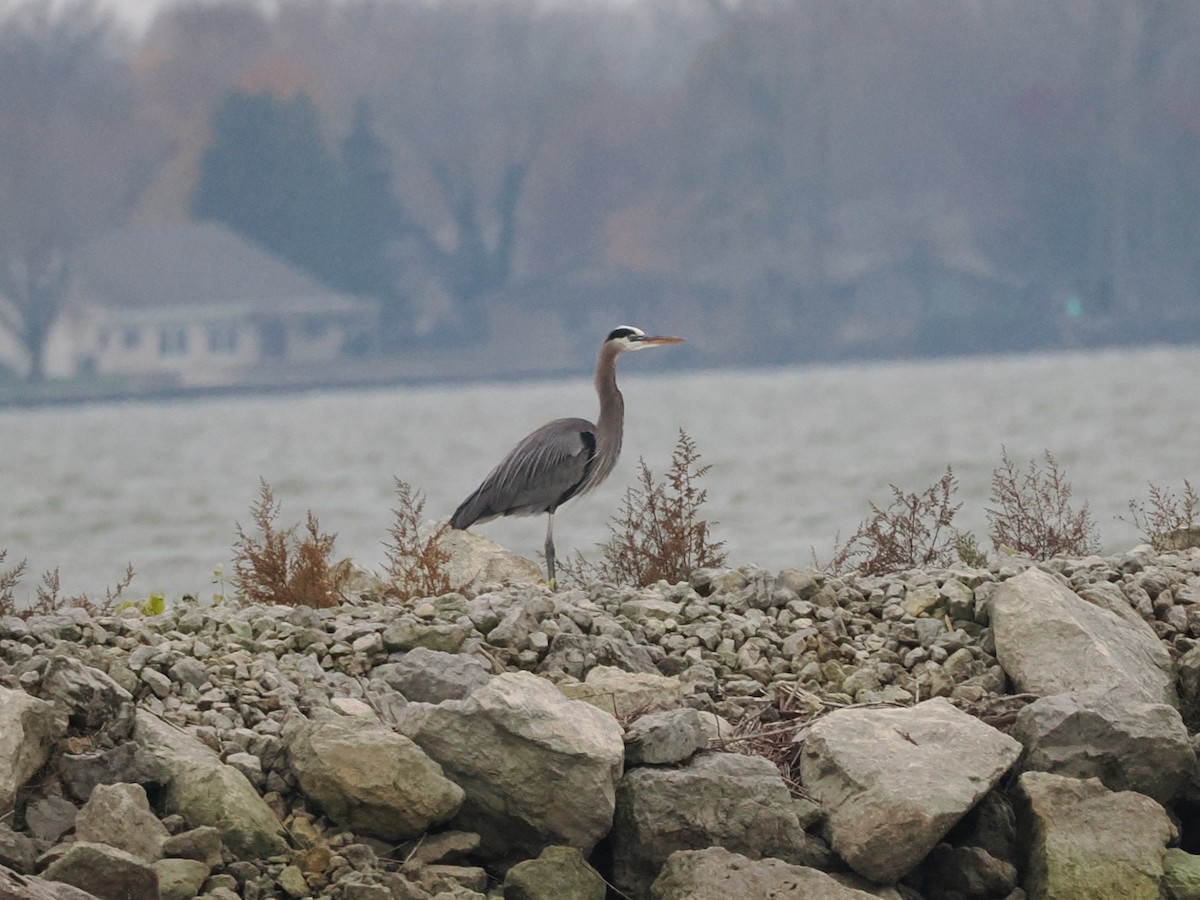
[{"x": 612, "y": 405}]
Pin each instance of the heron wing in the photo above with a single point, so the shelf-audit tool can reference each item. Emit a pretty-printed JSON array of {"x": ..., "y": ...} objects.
[{"x": 541, "y": 472}]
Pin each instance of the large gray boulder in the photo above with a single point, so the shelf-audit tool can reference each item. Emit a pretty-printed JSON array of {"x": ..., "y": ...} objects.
[
  {"x": 730, "y": 800},
  {"x": 369, "y": 779},
  {"x": 205, "y": 791},
  {"x": 14, "y": 886},
  {"x": 1083, "y": 840},
  {"x": 1130, "y": 745},
  {"x": 89, "y": 699},
  {"x": 107, "y": 872},
  {"x": 560, "y": 873},
  {"x": 717, "y": 874},
  {"x": 119, "y": 815},
  {"x": 475, "y": 561},
  {"x": 622, "y": 693},
  {"x": 126, "y": 763},
  {"x": 431, "y": 676},
  {"x": 1051, "y": 641},
  {"x": 537, "y": 768},
  {"x": 892, "y": 782},
  {"x": 664, "y": 738},
  {"x": 28, "y": 730}
]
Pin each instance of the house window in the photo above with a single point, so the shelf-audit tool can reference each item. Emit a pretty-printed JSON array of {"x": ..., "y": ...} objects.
[
  {"x": 172, "y": 340},
  {"x": 222, "y": 337},
  {"x": 131, "y": 338}
]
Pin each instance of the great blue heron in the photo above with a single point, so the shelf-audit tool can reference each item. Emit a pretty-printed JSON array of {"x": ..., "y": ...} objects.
[{"x": 563, "y": 459}]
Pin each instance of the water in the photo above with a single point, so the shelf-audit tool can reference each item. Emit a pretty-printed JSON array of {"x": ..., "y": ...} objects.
[{"x": 796, "y": 455}]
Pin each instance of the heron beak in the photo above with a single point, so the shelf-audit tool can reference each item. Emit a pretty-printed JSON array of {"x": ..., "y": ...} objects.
[{"x": 659, "y": 339}]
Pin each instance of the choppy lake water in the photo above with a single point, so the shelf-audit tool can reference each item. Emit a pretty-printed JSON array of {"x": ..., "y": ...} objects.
[{"x": 796, "y": 456}]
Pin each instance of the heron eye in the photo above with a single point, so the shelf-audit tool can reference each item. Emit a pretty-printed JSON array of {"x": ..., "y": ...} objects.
[{"x": 622, "y": 332}]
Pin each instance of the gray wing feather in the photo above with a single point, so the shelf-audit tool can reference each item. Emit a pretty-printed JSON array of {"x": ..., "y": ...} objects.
[{"x": 540, "y": 472}]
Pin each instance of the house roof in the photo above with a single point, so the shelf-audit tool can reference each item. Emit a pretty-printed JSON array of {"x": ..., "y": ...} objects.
[{"x": 156, "y": 268}]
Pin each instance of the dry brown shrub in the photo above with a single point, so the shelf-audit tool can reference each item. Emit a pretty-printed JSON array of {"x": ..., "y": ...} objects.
[
  {"x": 659, "y": 534},
  {"x": 284, "y": 566},
  {"x": 1033, "y": 514},
  {"x": 1168, "y": 520},
  {"x": 9, "y": 579},
  {"x": 417, "y": 567},
  {"x": 48, "y": 596},
  {"x": 915, "y": 530}
]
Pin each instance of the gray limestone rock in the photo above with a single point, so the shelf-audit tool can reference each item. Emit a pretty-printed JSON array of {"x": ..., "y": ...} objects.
[
  {"x": 1083, "y": 840},
  {"x": 717, "y": 799},
  {"x": 107, "y": 872},
  {"x": 717, "y": 874},
  {"x": 28, "y": 730},
  {"x": 537, "y": 768},
  {"x": 180, "y": 879},
  {"x": 371, "y": 780},
  {"x": 559, "y": 873},
  {"x": 1130, "y": 745},
  {"x": 430, "y": 676},
  {"x": 664, "y": 738},
  {"x": 1050, "y": 641},
  {"x": 126, "y": 763},
  {"x": 892, "y": 782},
  {"x": 205, "y": 791},
  {"x": 119, "y": 815}
]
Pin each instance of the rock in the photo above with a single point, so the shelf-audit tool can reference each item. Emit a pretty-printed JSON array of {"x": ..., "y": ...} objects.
[
  {"x": 369, "y": 779},
  {"x": 430, "y": 676},
  {"x": 90, "y": 699},
  {"x": 622, "y": 693},
  {"x": 127, "y": 763},
  {"x": 409, "y": 633},
  {"x": 537, "y": 768},
  {"x": 1050, "y": 641},
  {"x": 1181, "y": 875},
  {"x": 1189, "y": 687},
  {"x": 107, "y": 872},
  {"x": 476, "y": 561},
  {"x": 119, "y": 815},
  {"x": 559, "y": 873},
  {"x": 20, "y": 887},
  {"x": 666, "y": 737},
  {"x": 965, "y": 873},
  {"x": 180, "y": 879},
  {"x": 724, "y": 799},
  {"x": 28, "y": 730},
  {"x": 892, "y": 782},
  {"x": 1130, "y": 745},
  {"x": 50, "y": 818},
  {"x": 717, "y": 874},
  {"x": 205, "y": 791},
  {"x": 16, "y": 850},
  {"x": 991, "y": 826},
  {"x": 202, "y": 844},
  {"x": 1083, "y": 840},
  {"x": 578, "y": 654}
]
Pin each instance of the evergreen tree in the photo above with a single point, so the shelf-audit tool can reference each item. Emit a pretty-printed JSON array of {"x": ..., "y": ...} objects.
[
  {"x": 268, "y": 175},
  {"x": 371, "y": 223}
]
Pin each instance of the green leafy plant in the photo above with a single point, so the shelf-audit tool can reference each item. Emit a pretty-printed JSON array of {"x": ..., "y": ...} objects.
[
  {"x": 1168, "y": 521},
  {"x": 659, "y": 534},
  {"x": 1033, "y": 514},
  {"x": 289, "y": 566},
  {"x": 913, "y": 530},
  {"x": 417, "y": 566}
]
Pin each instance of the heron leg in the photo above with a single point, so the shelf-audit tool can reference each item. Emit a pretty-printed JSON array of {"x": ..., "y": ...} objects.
[{"x": 550, "y": 551}]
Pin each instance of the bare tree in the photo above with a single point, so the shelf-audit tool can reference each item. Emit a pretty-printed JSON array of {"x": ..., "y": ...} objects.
[{"x": 69, "y": 138}]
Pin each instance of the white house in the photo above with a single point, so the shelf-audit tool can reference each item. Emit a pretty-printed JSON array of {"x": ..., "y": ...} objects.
[{"x": 194, "y": 305}]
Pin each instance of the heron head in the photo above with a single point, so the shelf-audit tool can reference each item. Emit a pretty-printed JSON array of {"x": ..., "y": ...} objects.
[{"x": 626, "y": 337}]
